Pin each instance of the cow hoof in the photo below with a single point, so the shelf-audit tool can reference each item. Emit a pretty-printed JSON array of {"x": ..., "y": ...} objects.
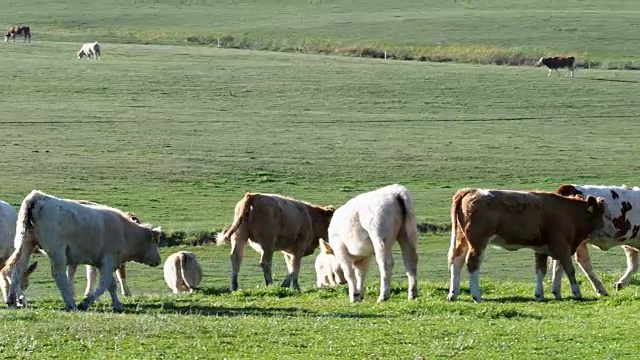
[
  {"x": 118, "y": 309},
  {"x": 557, "y": 295},
  {"x": 602, "y": 293},
  {"x": 540, "y": 298},
  {"x": 12, "y": 305},
  {"x": 477, "y": 299},
  {"x": 618, "y": 286},
  {"x": 452, "y": 297},
  {"x": 83, "y": 306},
  {"x": 382, "y": 299}
]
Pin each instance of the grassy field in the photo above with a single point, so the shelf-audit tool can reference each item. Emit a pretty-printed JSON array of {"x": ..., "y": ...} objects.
[
  {"x": 486, "y": 31},
  {"x": 177, "y": 134}
]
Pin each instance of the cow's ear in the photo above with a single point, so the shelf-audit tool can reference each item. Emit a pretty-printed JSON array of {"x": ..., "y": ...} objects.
[
  {"x": 592, "y": 202},
  {"x": 325, "y": 247}
]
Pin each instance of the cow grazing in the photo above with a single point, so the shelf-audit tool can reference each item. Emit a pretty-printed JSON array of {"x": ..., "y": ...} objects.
[
  {"x": 328, "y": 269},
  {"x": 555, "y": 63},
  {"x": 550, "y": 224},
  {"x": 8, "y": 219},
  {"x": 368, "y": 225},
  {"x": 182, "y": 272},
  {"x": 622, "y": 224},
  {"x": 271, "y": 223},
  {"x": 18, "y": 30},
  {"x": 88, "y": 50},
  {"x": 72, "y": 233}
]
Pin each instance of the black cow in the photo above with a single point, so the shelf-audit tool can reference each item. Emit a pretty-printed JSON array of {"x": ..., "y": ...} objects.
[
  {"x": 555, "y": 63},
  {"x": 18, "y": 30}
]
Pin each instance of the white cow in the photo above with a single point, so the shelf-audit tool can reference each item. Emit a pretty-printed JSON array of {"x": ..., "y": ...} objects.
[
  {"x": 8, "y": 219},
  {"x": 72, "y": 233},
  {"x": 328, "y": 269},
  {"x": 182, "y": 272},
  {"x": 88, "y": 50},
  {"x": 622, "y": 226},
  {"x": 368, "y": 225}
]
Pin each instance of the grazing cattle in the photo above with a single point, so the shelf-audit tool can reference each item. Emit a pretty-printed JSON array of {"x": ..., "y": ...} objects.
[
  {"x": 72, "y": 233},
  {"x": 555, "y": 63},
  {"x": 275, "y": 223},
  {"x": 182, "y": 272},
  {"x": 88, "y": 50},
  {"x": 622, "y": 224},
  {"x": 550, "y": 224},
  {"x": 92, "y": 272},
  {"x": 369, "y": 225},
  {"x": 18, "y": 30},
  {"x": 8, "y": 219},
  {"x": 328, "y": 269}
]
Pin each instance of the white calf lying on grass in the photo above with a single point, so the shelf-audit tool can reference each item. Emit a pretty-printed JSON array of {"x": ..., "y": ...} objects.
[{"x": 182, "y": 272}]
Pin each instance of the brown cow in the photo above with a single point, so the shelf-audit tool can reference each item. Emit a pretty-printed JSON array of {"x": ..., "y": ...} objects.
[
  {"x": 18, "y": 30},
  {"x": 550, "y": 224},
  {"x": 275, "y": 223}
]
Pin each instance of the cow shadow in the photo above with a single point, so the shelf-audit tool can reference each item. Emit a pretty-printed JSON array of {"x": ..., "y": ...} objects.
[
  {"x": 531, "y": 299},
  {"x": 612, "y": 80},
  {"x": 227, "y": 311}
]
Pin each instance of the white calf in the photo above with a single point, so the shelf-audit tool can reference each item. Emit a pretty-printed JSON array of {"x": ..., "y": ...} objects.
[
  {"x": 328, "y": 269},
  {"x": 182, "y": 272},
  {"x": 368, "y": 225}
]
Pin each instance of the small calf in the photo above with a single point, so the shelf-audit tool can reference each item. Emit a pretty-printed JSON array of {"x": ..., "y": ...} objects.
[
  {"x": 182, "y": 272},
  {"x": 555, "y": 63},
  {"x": 328, "y": 269}
]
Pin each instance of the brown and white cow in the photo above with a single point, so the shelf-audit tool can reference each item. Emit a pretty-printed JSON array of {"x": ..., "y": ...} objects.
[
  {"x": 555, "y": 63},
  {"x": 8, "y": 219},
  {"x": 369, "y": 225},
  {"x": 622, "y": 227},
  {"x": 182, "y": 272},
  {"x": 328, "y": 269},
  {"x": 19, "y": 31},
  {"x": 550, "y": 224},
  {"x": 72, "y": 233},
  {"x": 271, "y": 223}
]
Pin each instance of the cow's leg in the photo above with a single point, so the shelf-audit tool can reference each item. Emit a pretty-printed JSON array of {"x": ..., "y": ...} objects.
[
  {"x": 474, "y": 259},
  {"x": 265, "y": 263},
  {"x": 237, "y": 252},
  {"x": 567, "y": 264},
  {"x": 385, "y": 264},
  {"x": 71, "y": 274},
  {"x": 632, "y": 267},
  {"x": 558, "y": 72},
  {"x": 58, "y": 261},
  {"x": 584, "y": 260},
  {"x": 360, "y": 268},
  {"x": 106, "y": 281},
  {"x": 121, "y": 274},
  {"x": 92, "y": 274},
  {"x": 556, "y": 279},
  {"x": 410, "y": 259},
  {"x": 347, "y": 265},
  {"x": 541, "y": 271},
  {"x": 117, "y": 305},
  {"x": 20, "y": 267},
  {"x": 550, "y": 71},
  {"x": 457, "y": 254}
]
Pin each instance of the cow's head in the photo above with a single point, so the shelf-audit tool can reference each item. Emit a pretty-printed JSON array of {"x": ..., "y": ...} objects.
[
  {"x": 148, "y": 252},
  {"x": 540, "y": 62},
  {"x": 5, "y": 282},
  {"x": 595, "y": 209},
  {"x": 80, "y": 54}
]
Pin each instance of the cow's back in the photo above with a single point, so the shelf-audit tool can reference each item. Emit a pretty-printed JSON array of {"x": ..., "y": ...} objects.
[{"x": 278, "y": 216}]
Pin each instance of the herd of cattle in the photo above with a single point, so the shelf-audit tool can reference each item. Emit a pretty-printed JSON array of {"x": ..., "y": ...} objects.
[{"x": 556, "y": 224}]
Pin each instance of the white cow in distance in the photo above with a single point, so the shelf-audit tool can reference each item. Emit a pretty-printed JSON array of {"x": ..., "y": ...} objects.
[
  {"x": 328, "y": 269},
  {"x": 8, "y": 219},
  {"x": 182, "y": 272},
  {"x": 368, "y": 225},
  {"x": 72, "y": 233},
  {"x": 88, "y": 50}
]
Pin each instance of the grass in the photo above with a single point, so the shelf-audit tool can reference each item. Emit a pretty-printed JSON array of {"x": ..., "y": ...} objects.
[
  {"x": 497, "y": 32},
  {"x": 177, "y": 134}
]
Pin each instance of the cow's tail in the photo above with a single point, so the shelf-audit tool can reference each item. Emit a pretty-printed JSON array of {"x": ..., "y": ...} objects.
[
  {"x": 456, "y": 220},
  {"x": 25, "y": 237},
  {"x": 183, "y": 262},
  {"x": 245, "y": 206},
  {"x": 410, "y": 227}
]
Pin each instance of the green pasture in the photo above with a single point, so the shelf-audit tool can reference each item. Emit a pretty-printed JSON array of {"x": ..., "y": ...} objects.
[{"x": 177, "y": 134}]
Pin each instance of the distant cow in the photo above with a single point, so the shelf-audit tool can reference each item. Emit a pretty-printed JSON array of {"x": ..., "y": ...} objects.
[
  {"x": 621, "y": 227},
  {"x": 328, "y": 269},
  {"x": 18, "y": 30},
  {"x": 182, "y": 272},
  {"x": 550, "y": 224},
  {"x": 88, "y": 50},
  {"x": 555, "y": 63},
  {"x": 8, "y": 219},
  {"x": 368, "y": 225},
  {"x": 271, "y": 223},
  {"x": 72, "y": 233}
]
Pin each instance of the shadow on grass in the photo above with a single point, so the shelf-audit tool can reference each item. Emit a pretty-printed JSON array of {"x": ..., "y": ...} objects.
[
  {"x": 613, "y": 80},
  {"x": 531, "y": 299},
  {"x": 226, "y": 311}
]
